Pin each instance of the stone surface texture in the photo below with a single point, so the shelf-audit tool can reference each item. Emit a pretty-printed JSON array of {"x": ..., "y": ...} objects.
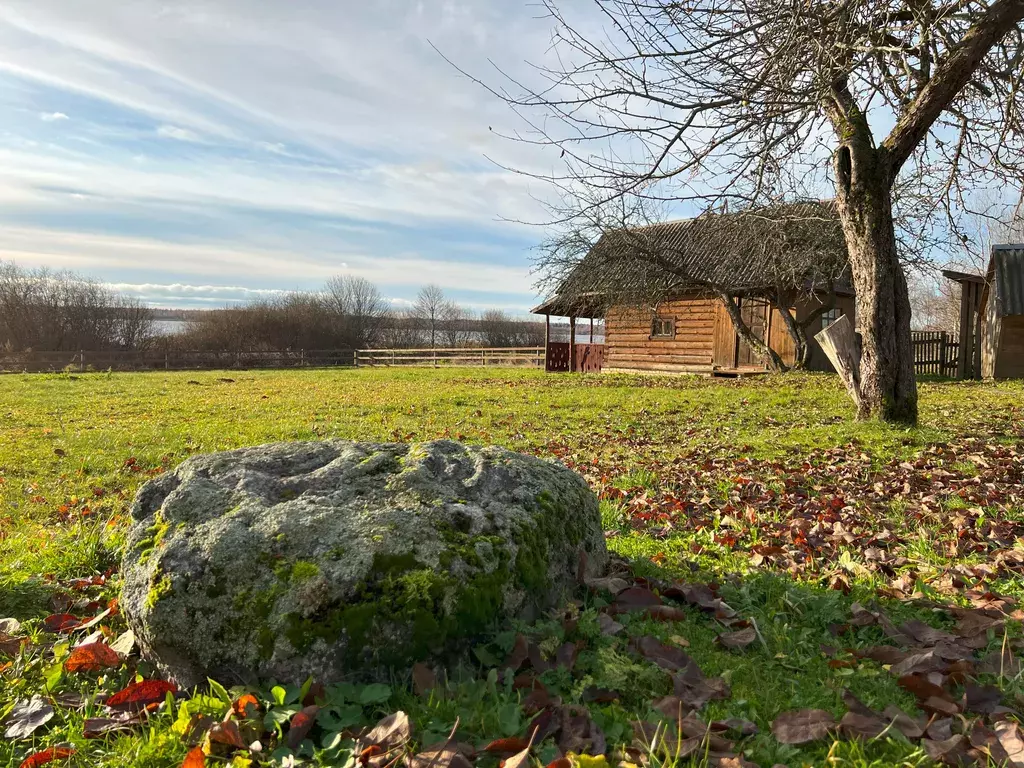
[{"x": 338, "y": 559}]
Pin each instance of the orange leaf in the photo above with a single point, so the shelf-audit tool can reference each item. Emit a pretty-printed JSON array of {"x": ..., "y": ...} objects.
[
  {"x": 142, "y": 694},
  {"x": 242, "y": 704},
  {"x": 300, "y": 725},
  {"x": 47, "y": 756},
  {"x": 562, "y": 762},
  {"x": 515, "y": 744},
  {"x": 371, "y": 751},
  {"x": 195, "y": 759},
  {"x": 92, "y": 658}
]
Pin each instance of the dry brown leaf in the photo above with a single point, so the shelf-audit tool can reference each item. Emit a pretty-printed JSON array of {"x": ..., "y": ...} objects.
[{"x": 803, "y": 726}]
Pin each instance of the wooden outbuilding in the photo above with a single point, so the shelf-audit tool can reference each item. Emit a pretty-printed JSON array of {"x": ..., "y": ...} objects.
[
  {"x": 1002, "y": 307},
  {"x": 661, "y": 290}
]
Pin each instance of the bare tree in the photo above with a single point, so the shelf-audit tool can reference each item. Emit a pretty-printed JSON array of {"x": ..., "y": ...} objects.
[
  {"x": 360, "y": 308},
  {"x": 61, "y": 311},
  {"x": 497, "y": 328},
  {"x": 429, "y": 309},
  {"x": 456, "y": 325},
  {"x": 401, "y": 330},
  {"x": 714, "y": 102}
]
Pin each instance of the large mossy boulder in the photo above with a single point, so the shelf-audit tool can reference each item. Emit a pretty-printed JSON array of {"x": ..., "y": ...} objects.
[{"x": 339, "y": 559}]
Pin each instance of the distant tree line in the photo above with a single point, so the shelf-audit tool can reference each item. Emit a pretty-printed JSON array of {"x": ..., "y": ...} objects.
[
  {"x": 47, "y": 311},
  {"x": 350, "y": 312},
  {"x": 44, "y": 310}
]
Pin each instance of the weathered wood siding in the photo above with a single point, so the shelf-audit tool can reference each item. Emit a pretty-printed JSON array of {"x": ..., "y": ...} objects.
[
  {"x": 704, "y": 336},
  {"x": 629, "y": 346},
  {"x": 1009, "y": 361}
]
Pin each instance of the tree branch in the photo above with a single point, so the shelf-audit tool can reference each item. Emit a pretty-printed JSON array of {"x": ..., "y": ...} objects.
[{"x": 949, "y": 78}]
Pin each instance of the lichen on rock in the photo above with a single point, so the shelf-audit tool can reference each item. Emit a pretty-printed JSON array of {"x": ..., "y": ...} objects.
[{"x": 339, "y": 559}]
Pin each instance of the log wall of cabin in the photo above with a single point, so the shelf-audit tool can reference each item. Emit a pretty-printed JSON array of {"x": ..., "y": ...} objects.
[
  {"x": 629, "y": 346},
  {"x": 704, "y": 336}
]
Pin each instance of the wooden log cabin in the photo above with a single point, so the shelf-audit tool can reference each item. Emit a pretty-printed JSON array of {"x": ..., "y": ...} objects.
[{"x": 661, "y": 291}]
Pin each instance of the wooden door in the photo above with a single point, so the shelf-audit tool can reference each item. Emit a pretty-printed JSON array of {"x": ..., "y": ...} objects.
[{"x": 755, "y": 314}]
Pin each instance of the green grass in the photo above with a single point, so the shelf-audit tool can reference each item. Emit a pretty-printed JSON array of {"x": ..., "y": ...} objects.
[{"x": 74, "y": 449}]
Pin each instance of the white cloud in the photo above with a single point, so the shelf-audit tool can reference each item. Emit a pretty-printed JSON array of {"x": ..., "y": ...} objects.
[
  {"x": 88, "y": 253},
  {"x": 49, "y": 117},
  {"x": 181, "y": 134},
  {"x": 157, "y": 292}
]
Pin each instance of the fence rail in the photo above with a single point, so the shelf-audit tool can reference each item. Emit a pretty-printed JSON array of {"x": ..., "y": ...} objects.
[
  {"x": 531, "y": 357},
  {"x": 935, "y": 352},
  {"x": 120, "y": 360}
]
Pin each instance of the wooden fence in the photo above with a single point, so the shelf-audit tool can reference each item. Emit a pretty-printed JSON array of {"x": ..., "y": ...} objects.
[
  {"x": 935, "y": 352},
  {"x": 182, "y": 360},
  {"x": 120, "y": 360},
  {"x": 529, "y": 357}
]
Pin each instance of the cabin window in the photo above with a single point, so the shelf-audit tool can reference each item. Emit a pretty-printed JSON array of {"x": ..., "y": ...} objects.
[
  {"x": 663, "y": 328},
  {"x": 830, "y": 317}
]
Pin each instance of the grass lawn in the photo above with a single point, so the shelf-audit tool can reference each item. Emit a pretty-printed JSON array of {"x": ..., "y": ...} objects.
[{"x": 766, "y": 489}]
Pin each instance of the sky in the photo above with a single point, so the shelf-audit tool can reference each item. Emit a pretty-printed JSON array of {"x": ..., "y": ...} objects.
[{"x": 196, "y": 153}]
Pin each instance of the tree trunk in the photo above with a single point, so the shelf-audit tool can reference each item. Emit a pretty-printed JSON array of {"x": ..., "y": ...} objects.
[
  {"x": 796, "y": 332},
  {"x": 864, "y": 200},
  {"x": 768, "y": 355}
]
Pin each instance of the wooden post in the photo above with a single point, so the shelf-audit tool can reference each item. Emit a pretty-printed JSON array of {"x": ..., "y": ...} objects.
[
  {"x": 966, "y": 351},
  {"x": 572, "y": 344},
  {"x": 591, "y": 340},
  {"x": 547, "y": 339},
  {"x": 976, "y": 307},
  {"x": 839, "y": 343}
]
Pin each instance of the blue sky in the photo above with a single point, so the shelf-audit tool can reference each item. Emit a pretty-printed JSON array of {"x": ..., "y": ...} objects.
[{"x": 206, "y": 151}]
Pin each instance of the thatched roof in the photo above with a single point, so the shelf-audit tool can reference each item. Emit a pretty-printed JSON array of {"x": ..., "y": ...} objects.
[{"x": 795, "y": 246}]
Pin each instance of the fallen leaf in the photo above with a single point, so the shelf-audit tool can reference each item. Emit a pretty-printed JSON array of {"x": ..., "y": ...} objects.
[
  {"x": 981, "y": 699},
  {"x": 94, "y": 727},
  {"x": 665, "y": 613},
  {"x": 665, "y": 656},
  {"x": 514, "y": 744},
  {"x": 26, "y": 717},
  {"x": 607, "y": 584},
  {"x": 124, "y": 644},
  {"x": 443, "y": 756},
  {"x": 141, "y": 694},
  {"x": 9, "y": 626},
  {"x": 245, "y": 705},
  {"x": 61, "y": 622},
  {"x": 949, "y": 751},
  {"x": 92, "y": 658},
  {"x": 518, "y": 760},
  {"x": 903, "y": 722},
  {"x": 47, "y": 756},
  {"x": 1009, "y": 735},
  {"x": 520, "y": 652},
  {"x": 301, "y": 724},
  {"x": 737, "y": 640},
  {"x": 423, "y": 678},
  {"x": 922, "y": 688},
  {"x": 608, "y": 625},
  {"x": 736, "y": 725},
  {"x": 194, "y": 759},
  {"x": 635, "y": 598},
  {"x": 394, "y": 730},
  {"x": 803, "y": 726}
]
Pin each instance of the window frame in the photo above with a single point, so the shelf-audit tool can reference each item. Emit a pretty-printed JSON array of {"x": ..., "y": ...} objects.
[
  {"x": 830, "y": 316},
  {"x": 662, "y": 322}
]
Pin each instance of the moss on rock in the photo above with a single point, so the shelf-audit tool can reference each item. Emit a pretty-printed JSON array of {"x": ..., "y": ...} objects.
[{"x": 331, "y": 557}]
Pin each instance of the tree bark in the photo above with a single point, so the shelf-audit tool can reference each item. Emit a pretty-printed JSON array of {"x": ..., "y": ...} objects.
[
  {"x": 768, "y": 355},
  {"x": 863, "y": 183}
]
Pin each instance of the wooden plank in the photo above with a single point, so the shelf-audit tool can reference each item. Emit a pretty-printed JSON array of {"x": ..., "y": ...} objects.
[{"x": 840, "y": 345}]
